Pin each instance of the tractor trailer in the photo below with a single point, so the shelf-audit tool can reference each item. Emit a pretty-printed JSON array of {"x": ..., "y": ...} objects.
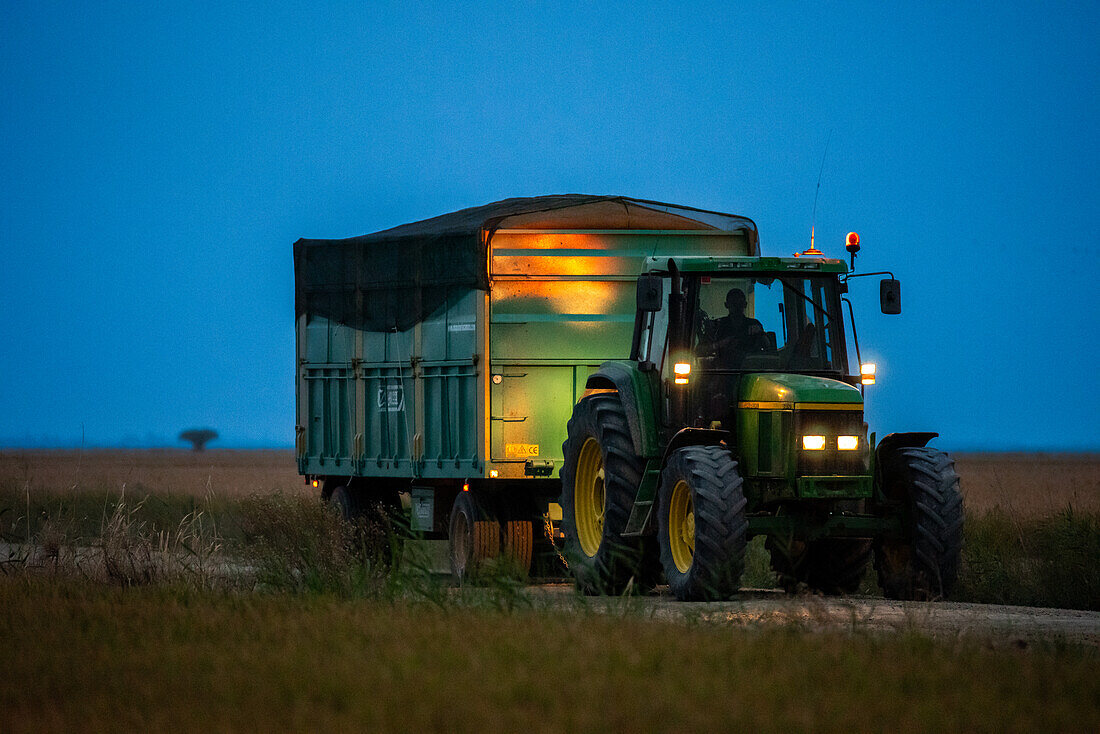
[{"x": 469, "y": 370}]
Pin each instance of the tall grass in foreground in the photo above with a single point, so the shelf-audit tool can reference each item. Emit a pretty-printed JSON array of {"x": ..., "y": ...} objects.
[
  {"x": 1051, "y": 561},
  {"x": 293, "y": 543}
]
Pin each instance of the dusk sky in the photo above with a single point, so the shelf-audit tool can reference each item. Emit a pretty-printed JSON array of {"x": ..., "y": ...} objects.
[{"x": 158, "y": 165}]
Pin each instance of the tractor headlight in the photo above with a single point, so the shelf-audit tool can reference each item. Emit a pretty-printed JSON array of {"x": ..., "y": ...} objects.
[
  {"x": 813, "y": 443},
  {"x": 847, "y": 443}
]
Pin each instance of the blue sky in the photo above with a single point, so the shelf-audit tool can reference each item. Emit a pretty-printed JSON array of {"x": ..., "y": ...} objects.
[{"x": 159, "y": 163}]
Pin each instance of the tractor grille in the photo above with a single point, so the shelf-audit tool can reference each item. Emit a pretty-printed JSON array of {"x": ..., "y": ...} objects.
[{"x": 831, "y": 461}]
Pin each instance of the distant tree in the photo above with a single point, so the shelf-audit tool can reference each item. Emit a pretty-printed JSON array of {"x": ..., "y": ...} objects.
[{"x": 198, "y": 437}]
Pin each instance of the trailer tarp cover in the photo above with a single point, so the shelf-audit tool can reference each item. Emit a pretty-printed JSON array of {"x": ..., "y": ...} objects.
[{"x": 394, "y": 278}]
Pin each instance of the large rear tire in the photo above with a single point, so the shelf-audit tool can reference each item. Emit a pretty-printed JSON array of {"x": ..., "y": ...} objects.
[
  {"x": 924, "y": 563},
  {"x": 600, "y": 475},
  {"x": 701, "y": 523}
]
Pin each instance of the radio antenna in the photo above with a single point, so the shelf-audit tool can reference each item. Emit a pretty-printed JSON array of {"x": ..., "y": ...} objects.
[{"x": 817, "y": 192}]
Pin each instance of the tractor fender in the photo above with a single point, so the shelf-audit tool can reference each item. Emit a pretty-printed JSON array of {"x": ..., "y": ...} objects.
[
  {"x": 633, "y": 388},
  {"x": 694, "y": 437},
  {"x": 891, "y": 443},
  {"x": 894, "y": 441}
]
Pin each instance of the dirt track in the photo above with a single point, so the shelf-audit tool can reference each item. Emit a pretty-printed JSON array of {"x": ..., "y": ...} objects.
[{"x": 1019, "y": 625}]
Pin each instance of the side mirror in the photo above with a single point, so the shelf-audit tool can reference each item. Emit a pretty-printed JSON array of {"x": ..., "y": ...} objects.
[
  {"x": 889, "y": 295},
  {"x": 651, "y": 293}
]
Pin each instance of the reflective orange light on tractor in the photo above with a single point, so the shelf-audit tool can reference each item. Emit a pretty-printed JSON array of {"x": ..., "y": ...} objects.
[
  {"x": 493, "y": 473},
  {"x": 681, "y": 370},
  {"x": 867, "y": 373},
  {"x": 315, "y": 482},
  {"x": 465, "y": 486}
]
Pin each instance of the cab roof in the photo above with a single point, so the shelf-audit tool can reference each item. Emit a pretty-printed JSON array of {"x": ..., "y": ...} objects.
[{"x": 733, "y": 264}]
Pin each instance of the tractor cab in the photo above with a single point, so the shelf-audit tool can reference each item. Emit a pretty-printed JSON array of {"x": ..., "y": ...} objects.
[{"x": 752, "y": 351}]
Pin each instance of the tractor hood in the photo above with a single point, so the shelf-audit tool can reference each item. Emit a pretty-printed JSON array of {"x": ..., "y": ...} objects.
[{"x": 792, "y": 389}]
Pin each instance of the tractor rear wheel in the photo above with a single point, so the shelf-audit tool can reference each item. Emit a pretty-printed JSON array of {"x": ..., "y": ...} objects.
[
  {"x": 600, "y": 475},
  {"x": 924, "y": 563},
  {"x": 831, "y": 566},
  {"x": 473, "y": 538},
  {"x": 701, "y": 523}
]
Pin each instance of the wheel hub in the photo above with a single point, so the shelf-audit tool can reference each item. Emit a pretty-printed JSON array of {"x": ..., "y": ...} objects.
[{"x": 681, "y": 526}]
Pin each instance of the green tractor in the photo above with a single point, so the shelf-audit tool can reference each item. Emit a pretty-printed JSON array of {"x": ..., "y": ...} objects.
[{"x": 736, "y": 415}]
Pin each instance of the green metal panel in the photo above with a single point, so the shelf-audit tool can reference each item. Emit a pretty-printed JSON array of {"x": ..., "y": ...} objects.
[
  {"x": 394, "y": 404},
  {"x": 562, "y": 303},
  {"x": 795, "y": 388}
]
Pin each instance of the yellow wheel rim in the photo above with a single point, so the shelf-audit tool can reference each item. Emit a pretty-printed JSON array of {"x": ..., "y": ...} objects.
[
  {"x": 588, "y": 497},
  {"x": 681, "y": 526}
]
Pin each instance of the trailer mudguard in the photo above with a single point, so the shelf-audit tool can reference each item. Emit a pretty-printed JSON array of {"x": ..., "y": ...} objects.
[{"x": 637, "y": 392}]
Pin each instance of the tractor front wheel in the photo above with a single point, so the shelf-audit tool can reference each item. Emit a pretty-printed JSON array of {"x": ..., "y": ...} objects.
[
  {"x": 701, "y": 523},
  {"x": 924, "y": 563}
]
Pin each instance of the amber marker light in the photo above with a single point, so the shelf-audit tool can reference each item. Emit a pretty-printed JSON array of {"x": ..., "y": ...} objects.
[
  {"x": 465, "y": 486},
  {"x": 681, "y": 370},
  {"x": 813, "y": 443},
  {"x": 847, "y": 443},
  {"x": 493, "y": 473},
  {"x": 314, "y": 482},
  {"x": 867, "y": 373}
]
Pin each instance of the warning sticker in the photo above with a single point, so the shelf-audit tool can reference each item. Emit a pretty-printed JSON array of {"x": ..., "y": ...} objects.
[{"x": 521, "y": 450}]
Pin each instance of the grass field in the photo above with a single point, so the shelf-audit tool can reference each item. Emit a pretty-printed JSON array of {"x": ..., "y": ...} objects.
[
  {"x": 1032, "y": 529},
  {"x": 93, "y": 658},
  {"x": 147, "y": 631}
]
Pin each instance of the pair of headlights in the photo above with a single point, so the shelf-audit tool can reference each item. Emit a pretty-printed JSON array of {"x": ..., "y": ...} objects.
[{"x": 843, "y": 443}]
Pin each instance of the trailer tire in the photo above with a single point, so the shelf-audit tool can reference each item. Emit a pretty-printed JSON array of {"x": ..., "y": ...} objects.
[
  {"x": 600, "y": 476},
  {"x": 342, "y": 501},
  {"x": 701, "y": 523},
  {"x": 473, "y": 538},
  {"x": 924, "y": 564},
  {"x": 519, "y": 544},
  {"x": 376, "y": 529}
]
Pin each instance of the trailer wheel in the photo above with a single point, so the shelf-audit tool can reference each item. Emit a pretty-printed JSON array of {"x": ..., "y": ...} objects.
[
  {"x": 473, "y": 538},
  {"x": 701, "y": 523},
  {"x": 344, "y": 504},
  {"x": 377, "y": 531},
  {"x": 600, "y": 475},
  {"x": 519, "y": 544},
  {"x": 924, "y": 563}
]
